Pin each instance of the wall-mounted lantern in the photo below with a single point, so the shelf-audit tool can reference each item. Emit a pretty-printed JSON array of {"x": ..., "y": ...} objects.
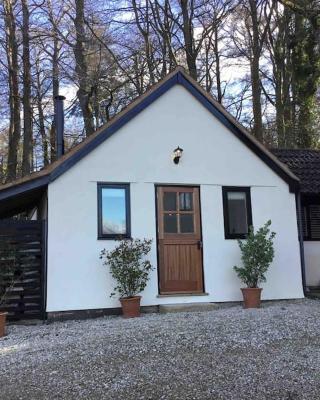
[{"x": 177, "y": 154}]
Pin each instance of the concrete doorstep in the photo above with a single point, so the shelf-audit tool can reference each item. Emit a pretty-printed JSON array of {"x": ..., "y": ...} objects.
[{"x": 189, "y": 307}]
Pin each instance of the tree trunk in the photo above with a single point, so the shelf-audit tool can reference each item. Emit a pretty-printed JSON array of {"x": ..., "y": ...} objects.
[
  {"x": 217, "y": 62},
  {"x": 278, "y": 56},
  {"x": 55, "y": 92},
  {"x": 41, "y": 118},
  {"x": 279, "y": 111},
  {"x": 188, "y": 37},
  {"x": 84, "y": 92},
  {"x": 255, "y": 73},
  {"x": 27, "y": 108},
  {"x": 306, "y": 73},
  {"x": 42, "y": 131},
  {"x": 14, "y": 98},
  {"x": 55, "y": 54},
  {"x": 145, "y": 32}
]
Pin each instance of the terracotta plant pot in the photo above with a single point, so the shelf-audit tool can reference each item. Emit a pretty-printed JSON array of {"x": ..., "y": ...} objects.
[
  {"x": 3, "y": 319},
  {"x": 251, "y": 297},
  {"x": 131, "y": 306}
]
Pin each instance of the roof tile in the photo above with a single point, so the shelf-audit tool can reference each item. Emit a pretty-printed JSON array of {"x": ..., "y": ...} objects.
[{"x": 305, "y": 164}]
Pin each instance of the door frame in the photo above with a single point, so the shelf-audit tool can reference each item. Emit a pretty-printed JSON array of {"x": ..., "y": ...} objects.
[{"x": 156, "y": 186}]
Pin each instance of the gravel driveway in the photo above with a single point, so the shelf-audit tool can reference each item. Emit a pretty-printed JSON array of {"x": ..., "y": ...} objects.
[{"x": 230, "y": 353}]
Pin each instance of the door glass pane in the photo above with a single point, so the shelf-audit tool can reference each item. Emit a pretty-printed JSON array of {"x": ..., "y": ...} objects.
[
  {"x": 237, "y": 209},
  {"x": 169, "y": 201},
  {"x": 170, "y": 223},
  {"x": 186, "y": 223},
  {"x": 113, "y": 211},
  {"x": 185, "y": 201}
]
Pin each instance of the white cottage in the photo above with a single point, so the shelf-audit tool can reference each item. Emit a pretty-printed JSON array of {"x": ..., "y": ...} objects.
[{"x": 123, "y": 181}]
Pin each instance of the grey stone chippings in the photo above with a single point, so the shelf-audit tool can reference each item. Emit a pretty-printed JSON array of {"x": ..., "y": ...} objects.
[{"x": 229, "y": 353}]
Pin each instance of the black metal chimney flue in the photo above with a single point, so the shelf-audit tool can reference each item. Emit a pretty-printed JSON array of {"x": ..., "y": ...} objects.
[{"x": 59, "y": 124}]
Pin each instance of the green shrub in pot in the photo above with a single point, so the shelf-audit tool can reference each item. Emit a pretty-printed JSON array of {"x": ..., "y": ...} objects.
[
  {"x": 130, "y": 268},
  {"x": 257, "y": 254}
]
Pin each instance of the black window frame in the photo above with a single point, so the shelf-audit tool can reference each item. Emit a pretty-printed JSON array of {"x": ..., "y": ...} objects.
[
  {"x": 225, "y": 191},
  {"x": 126, "y": 187},
  {"x": 306, "y": 202}
]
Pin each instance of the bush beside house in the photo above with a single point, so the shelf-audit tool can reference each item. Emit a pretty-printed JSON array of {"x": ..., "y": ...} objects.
[
  {"x": 257, "y": 255},
  {"x": 130, "y": 269}
]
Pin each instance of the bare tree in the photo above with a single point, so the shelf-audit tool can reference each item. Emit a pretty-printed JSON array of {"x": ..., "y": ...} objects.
[
  {"x": 85, "y": 88},
  {"x": 54, "y": 53},
  {"x": 143, "y": 24},
  {"x": 279, "y": 48},
  {"x": 14, "y": 95},
  {"x": 249, "y": 36},
  {"x": 27, "y": 107},
  {"x": 259, "y": 58}
]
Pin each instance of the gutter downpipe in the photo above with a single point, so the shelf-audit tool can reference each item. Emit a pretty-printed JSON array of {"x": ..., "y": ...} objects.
[{"x": 300, "y": 233}]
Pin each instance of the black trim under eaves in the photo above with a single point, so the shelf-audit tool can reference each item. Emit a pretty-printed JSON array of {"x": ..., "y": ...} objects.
[{"x": 24, "y": 187}]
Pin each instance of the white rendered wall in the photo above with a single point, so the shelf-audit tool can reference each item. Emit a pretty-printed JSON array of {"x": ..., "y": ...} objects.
[
  {"x": 212, "y": 157},
  {"x": 312, "y": 260}
]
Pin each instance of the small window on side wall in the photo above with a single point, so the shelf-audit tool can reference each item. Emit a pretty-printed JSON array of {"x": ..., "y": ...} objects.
[
  {"x": 113, "y": 211},
  {"x": 311, "y": 220},
  {"x": 237, "y": 212}
]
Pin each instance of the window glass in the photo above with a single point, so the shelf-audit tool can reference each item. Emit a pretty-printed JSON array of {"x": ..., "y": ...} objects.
[
  {"x": 237, "y": 213},
  {"x": 185, "y": 200},
  {"x": 170, "y": 223},
  {"x": 169, "y": 201},
  {"x": 186, "y": 223},
  {"x": 113, "y": 211}
]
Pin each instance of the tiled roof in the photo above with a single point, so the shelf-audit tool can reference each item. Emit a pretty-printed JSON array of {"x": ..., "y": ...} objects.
[{"x": 305, "y": 164}]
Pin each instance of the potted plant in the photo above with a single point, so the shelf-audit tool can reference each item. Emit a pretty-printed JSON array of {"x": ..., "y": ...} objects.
[
  {"x": 257, "y": 255},
  {"x": 130, "y": 269},
  {"x": 9, "y": 273}
]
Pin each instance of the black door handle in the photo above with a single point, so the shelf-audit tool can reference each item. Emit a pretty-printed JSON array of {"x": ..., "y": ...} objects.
[{"x": 199, "y": 244}]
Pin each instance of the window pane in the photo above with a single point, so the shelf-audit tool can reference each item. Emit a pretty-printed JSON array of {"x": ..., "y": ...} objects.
[
  {"x": 114, "y": 211},
  {"x": 169, "y": 201},
  {"x": 170, "y": 223},
  {"x": 185, "y": 200},
  {"x": 186, "y": 223},
  {"x": 237, "y": 210}
]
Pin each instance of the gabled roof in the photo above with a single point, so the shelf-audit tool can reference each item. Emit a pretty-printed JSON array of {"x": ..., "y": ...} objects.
[
  {"x": 305, "y": 164},
  {"x": 178, "y": 76}
]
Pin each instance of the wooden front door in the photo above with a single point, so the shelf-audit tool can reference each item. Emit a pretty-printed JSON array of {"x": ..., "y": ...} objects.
[{"x": 179, "y": 240}]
